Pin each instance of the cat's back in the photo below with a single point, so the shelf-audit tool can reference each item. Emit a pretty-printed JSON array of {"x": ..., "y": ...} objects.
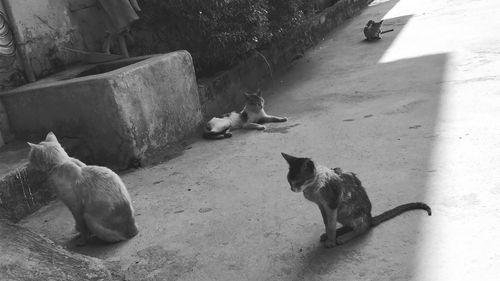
[
  {"x": 353, "y": 194},
  {"x": 101, "y": 183}
]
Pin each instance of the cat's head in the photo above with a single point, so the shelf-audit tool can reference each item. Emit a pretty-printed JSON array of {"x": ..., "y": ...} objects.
[
  {"x": 374, "y": 24},
  {"x": 378, "y": 24},
  {"x": 301, "y": 173},
  {"x": 46, "y": 154},
  {"x": 254, "y": 101}
]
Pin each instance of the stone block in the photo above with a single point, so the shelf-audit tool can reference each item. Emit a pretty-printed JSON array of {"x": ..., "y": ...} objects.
[{"x": 119, "y": 110}]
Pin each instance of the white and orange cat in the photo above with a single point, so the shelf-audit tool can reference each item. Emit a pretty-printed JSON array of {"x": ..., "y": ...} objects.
[
  {"x": 251, "y": 117},
  {"x": 95, "y": 195}
]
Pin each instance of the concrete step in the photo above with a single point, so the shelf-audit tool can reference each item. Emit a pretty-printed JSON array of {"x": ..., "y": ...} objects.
[{"x": 22, "y": 191}]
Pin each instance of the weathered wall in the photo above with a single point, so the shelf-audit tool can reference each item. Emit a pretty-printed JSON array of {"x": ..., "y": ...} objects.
[{"x": 46, "y": 25}]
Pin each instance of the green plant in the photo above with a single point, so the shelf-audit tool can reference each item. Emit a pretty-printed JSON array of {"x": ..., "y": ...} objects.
[{"x": 217, "y": 33}]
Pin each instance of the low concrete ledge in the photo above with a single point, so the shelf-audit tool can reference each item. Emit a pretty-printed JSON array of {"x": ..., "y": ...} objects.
[
  {"x": 222, "y": 93},
  {"x": 23, "y": 191},
  {"x": 29, "y": 256},
  {"x": 117, "y": 116}
]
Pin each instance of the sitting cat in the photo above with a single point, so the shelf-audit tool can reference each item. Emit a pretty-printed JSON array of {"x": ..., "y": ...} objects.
[
  {"x": 96, "y": 196},
  {"x": 251, "y": 117},
  {"x": 372, "y": 30},
  {"x": 341, "y": 198}
]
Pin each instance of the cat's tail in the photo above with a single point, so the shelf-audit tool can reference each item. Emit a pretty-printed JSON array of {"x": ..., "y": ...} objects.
[{"x": 387, "y": 215}]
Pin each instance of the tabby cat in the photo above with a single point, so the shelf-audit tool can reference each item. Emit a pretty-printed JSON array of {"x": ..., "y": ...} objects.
[
  {"x": 341, "y": 198},
  {"x": 251, "y": 117},
  {"x": 372, "y": 30},
  {"x": 95, "y": 195}
]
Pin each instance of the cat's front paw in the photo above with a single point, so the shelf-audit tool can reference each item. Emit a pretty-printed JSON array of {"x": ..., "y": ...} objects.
[
  {"x": 261, "y": 128},
  {"x": 283, "y": 119},
  {"x": 329, "y": 243},
  {"x": 323, "y": 237}
]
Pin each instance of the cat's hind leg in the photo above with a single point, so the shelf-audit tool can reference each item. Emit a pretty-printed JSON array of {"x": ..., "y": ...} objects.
[
  {"x": 114, "y": 226},
  {"x": 340, "y": 231},
  {"x": 104, "y": 233},
  {"x": 360, "y": 226}
]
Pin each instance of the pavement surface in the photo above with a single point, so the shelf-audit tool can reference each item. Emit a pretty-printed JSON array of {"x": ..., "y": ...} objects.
[{"x": 415, "y": 115}]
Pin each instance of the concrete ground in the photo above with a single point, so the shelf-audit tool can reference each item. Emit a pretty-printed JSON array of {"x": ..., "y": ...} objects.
[{"x": 415, "y": 114}]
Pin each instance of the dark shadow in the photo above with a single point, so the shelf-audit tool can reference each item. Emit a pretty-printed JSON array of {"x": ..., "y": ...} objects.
[
  {"x": 320, "y": 260},
  {"x": 428, "y": 73}
]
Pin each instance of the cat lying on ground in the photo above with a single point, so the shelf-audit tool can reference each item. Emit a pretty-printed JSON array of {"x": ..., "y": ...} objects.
[
  {"x": 95, "y": 195},
  {"x": 372, "y": 30},
  {"x": 341, "y": 198},
  {"x": 251, "y": 117}
]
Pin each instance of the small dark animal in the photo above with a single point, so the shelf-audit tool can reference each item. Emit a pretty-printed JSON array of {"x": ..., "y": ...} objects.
[
  {"x": 372, "y": 30},
  {"x": 341, "y": 198},
  {"x": 251, "y": 117}
]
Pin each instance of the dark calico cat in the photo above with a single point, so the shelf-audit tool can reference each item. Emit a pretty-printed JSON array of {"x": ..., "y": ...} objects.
[
  {"x": 251, "y": 117},
  {"x": 341, "y": 198},
  {"x": 372, "y": 30},
  {"x": 95, "y": 195}
]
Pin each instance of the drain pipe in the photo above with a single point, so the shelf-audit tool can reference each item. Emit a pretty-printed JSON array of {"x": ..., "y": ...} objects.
[{"x": 20, "y": 46}]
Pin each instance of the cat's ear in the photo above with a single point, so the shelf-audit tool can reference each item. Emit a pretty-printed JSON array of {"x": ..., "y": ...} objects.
[
  {"x": 247, "y": 95},
  {"x": 380, "y": 22},
  {"x": 32, "y": 145},
  {"x": 51, "y": 137},
  {"x": 259, "y": 92},
  {"x": 289, "y": 158}
]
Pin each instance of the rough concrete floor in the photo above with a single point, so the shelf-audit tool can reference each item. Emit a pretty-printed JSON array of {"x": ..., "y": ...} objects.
[{"x": 415, "y": 114}]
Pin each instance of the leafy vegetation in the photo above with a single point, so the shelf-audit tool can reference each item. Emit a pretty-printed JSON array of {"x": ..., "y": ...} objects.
[{"x": 217, "y": 33}]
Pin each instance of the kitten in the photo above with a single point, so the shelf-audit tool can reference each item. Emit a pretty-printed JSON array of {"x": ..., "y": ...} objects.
[
  {"x": 251, "y": 117},
  {"x": 341, "y": 198},
  {"x": 372, "y": 30},
  {"x": 95, "y": 195}
]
